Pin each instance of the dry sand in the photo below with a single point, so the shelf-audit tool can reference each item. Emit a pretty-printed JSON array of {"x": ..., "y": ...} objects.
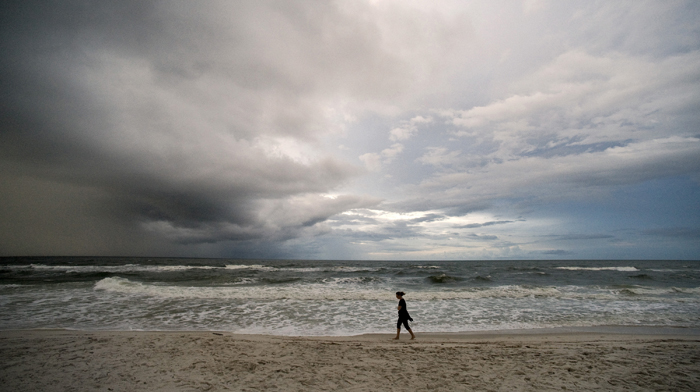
[{"x": 205, "y": 361}]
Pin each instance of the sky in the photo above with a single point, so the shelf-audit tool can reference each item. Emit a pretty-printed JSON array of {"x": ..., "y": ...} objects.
[{"x": 355, "y": 129}]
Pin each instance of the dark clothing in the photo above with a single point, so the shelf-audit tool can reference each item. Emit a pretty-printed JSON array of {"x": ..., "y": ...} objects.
[
  {"x": 403, "y": 309},
  {"x": 404, "y": 317},
  {"x": 404, "y": 322}
]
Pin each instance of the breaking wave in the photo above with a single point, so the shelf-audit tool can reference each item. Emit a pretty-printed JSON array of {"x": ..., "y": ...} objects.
[
  {"x": 621, "y": 269},
  {"x": 353, "y": 289}
]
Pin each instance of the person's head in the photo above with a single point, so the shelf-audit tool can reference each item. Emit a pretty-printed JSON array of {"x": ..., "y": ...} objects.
[{"x": 400, "y": 294}]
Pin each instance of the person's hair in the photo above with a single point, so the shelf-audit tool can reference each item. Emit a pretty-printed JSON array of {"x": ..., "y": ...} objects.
[{"x": 400, "y": 293}]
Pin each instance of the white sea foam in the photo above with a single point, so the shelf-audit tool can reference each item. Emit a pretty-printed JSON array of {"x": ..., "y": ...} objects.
[
  {"x": 323, "y": 291},
  {"x": 250, "y": 267},
  {"x": 109, "y": 268},
  {"x": 675, "y": 270},
  {"x": 330, "y": 289},
  {"x": 301, "y": 269},
  {"x": 353, "y": 289},
  {"x": 622, "y": 269},
  {"x": 649, "y": 291},
  {"x": 241, "y": 281},
  {"x": 686, "y": 290},
  {"x": 352, "y": 280},
  {"x": 351, "y": 269}
]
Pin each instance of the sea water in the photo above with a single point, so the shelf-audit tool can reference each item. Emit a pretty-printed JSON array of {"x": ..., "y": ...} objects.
[{"x": 305, "y": 297}]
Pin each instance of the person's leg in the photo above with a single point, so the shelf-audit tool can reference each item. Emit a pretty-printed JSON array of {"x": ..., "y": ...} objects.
[
  {"x": 408, "y": 328},
  {"x": 398, "y": 329}
]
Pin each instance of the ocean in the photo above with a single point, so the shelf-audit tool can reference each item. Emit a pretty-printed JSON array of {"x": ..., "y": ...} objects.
[{"x": 307, "y": 297}]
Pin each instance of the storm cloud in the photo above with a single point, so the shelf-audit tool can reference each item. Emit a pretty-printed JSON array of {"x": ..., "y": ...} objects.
[
  {"x": 193, "y": 124},
  {"x": 352, "y": 129}
]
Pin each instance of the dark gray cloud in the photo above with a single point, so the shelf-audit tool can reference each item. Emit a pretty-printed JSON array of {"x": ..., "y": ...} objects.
[
  {"x": 450, "y": 206},
  {"x": 183, "y": 123},
  {"x": 475, "y": 225},
  {"x": 582, "y": 237},
  {"x": 675, "y": 232},
  {"x": 483, "y": 237},
  {"x": 557, "y": 252},
  {"x": 428, "y": 218},
  {"x": 549, "y": 147}
]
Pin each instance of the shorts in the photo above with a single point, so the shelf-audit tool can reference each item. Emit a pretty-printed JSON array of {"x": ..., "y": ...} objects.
[{"x": 403, "y": 321}]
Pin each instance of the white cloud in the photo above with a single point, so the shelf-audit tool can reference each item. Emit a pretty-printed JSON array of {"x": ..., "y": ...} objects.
[
  {"x": 575, "y": 175},
  {"x": 372, "y": 161},
  {"x": 439, "y": 156},
  {"x": 421, "y": 120},
  {"x": 375, "y": 161},
  {"x": 531, "y": 6},
  {"x": 408, "y": 128},
  {"x": 390, "y": 153},
  {"x": 581, "y": 102},
  {"x": 397, "y": 134}
]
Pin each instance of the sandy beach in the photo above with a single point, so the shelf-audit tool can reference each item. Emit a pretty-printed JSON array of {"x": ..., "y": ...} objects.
[{"x": 60, "y": 360}]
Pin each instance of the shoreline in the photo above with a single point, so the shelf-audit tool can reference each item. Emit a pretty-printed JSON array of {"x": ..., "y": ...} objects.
[
  {"x": 651, "y": 330},
  {"x": 591, "y": 360}
]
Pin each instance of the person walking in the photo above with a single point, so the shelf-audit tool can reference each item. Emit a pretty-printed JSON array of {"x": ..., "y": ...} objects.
[{"x": 404, "y": 317}]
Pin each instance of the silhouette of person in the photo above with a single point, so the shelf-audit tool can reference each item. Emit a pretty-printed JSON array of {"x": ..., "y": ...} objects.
[{"x": 404, "y": 317}]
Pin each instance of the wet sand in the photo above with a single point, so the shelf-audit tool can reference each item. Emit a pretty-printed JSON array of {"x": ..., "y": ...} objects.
[{"x": 546, "y": 360}]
